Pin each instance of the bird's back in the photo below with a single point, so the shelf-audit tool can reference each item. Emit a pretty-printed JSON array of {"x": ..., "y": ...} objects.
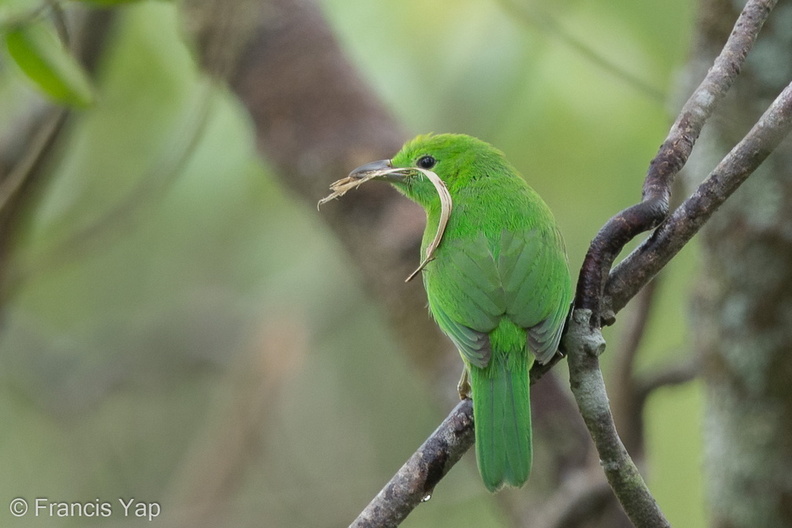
[{"x": 499, "y": 256}]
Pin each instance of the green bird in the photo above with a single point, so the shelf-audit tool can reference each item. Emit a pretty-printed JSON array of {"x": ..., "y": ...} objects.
[{"x": 498, "y": 284}]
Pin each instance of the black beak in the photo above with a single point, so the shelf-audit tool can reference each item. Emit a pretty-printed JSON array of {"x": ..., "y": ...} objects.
[{"x": 379, "y": 170}]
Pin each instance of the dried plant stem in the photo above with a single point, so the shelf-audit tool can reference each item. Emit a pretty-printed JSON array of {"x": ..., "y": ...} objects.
[
  {"x": 445, "y": 213},
  {"x": 342, "y": 186}
]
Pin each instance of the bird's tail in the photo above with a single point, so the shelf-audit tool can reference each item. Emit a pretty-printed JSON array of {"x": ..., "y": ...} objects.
[{"x": 502, "y": 416}]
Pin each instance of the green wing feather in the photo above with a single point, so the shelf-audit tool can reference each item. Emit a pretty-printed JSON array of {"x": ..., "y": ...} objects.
[
  {"x": 474, "y": 283},
  {"x": 474, "y": 346}
]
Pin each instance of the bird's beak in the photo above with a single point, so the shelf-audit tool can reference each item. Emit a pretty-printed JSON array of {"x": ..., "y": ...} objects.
[{"x": 379, "y": 170}]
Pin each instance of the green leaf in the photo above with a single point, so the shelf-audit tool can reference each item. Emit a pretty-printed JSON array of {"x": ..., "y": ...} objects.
[{"x": 42, "y": 57}]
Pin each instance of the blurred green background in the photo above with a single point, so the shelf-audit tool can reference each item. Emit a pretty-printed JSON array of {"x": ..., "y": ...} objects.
[{"x": 172, "y": 300}]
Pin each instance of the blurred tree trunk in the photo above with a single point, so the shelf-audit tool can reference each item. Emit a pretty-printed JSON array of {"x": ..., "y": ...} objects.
[{"x": 743, "y": 312}]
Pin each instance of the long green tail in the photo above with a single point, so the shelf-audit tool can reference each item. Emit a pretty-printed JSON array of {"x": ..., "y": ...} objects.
[{"x": 502, "y": 415}]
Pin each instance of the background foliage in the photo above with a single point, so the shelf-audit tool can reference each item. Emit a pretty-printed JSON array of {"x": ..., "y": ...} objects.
[{"x": 170, "y": 299}]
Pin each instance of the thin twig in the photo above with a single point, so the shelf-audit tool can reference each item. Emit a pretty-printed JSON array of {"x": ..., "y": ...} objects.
[
  {"x": 584, "y": 343},
  {"x": 687, "y": 219},
  {"x": 676, "y": 373},
  {"x": 584, "y": 340},
  {"x": 416, "y": 479},
  {"x": 27, "y": 16},
  {"x": 670, "y": 159},
  {"x": 32, "y": 158},
  {"x": 59, "y": 21},
  {"x": 154, "y": 180},
  {"x": 583, "y": 495},
  {"x": 537, "y": 18}
]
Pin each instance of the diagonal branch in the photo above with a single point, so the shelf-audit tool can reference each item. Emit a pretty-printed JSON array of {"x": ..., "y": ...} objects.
[
  {"x": 642, "y": 264},
  {"x": 416, "y": 479},
  {"x": 584, "y": 339},
  {"x": 425, "y": 468},
  {"x": 532, "y": 14},
  {"x": 670, "y": 159},
  {"x": 584, "y": 343},
  {"x": 674, "y": 374}
]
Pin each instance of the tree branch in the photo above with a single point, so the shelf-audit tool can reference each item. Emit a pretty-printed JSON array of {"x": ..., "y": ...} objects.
[
  {"x": 416, "y": 479},
  {"x": 674, "y": 374},
  {"x": 575, "y": 503},
  {"x": 670, "y": 159},
  {"x": 687, "y": 219},
  {"x": 584, "y": 343},
  {"x": 584, "y": 340}
]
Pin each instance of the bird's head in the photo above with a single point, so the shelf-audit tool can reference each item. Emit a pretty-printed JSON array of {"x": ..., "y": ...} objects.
[{"x": 457, "y": 159}]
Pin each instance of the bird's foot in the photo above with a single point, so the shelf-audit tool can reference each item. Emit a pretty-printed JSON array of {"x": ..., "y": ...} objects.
[{"x": 463, "y": 387}]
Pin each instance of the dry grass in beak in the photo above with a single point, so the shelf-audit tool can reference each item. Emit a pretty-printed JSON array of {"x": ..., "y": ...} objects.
[
  {"x": 445, "y": 213},
  {"x": 344, "y": 185}
]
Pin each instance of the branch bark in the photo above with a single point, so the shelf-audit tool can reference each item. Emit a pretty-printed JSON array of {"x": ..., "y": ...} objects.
[
  {"x": 416, "y": 479},
  {"x": 672, "y": 156},
  {"x": 686, "y": 221},
  {"x": 584, "y": 340},
  {"x": 584, "y": 344}
]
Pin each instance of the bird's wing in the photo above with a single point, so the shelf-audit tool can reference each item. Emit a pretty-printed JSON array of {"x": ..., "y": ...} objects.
[
  {"x": 473, "y": 345},
  {"x": 465, "y": 295},
  {"x": 537, "y": 286},
  {"x": 523, "y": 275}
]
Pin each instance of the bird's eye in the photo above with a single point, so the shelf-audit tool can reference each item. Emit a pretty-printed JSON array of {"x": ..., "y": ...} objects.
[{"x": 426, "y": 162}]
